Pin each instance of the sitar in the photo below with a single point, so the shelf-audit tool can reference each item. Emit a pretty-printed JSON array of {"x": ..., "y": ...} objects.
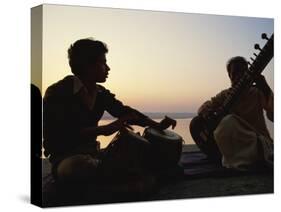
[{"x": 202, "y": 128}]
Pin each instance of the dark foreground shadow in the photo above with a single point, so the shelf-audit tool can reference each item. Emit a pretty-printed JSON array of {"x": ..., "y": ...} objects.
[{"x": 201, "y": 179}]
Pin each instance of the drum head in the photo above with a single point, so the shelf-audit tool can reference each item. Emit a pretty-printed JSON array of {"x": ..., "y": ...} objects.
[
  {"x": 166, "y": 146},
  {"x": 165, "y": 134}
]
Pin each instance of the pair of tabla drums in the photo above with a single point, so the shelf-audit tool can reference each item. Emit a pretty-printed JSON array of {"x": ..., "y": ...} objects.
[{"x": 157, "y": 148}]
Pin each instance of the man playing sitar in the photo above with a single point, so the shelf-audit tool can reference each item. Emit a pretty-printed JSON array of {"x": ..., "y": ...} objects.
[{"x": 240, "y": 139}]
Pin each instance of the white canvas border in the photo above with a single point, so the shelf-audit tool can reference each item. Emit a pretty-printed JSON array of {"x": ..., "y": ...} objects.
[{"x": 15, "y": 130}]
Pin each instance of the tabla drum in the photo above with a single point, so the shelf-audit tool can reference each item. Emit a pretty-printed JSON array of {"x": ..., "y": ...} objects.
[
  {"x": 166, "y": 146},
  {"x": 126, "y": 152}
]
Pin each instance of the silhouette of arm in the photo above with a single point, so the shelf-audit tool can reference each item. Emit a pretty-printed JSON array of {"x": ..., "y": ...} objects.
[
  {"x": 59, "y": 128},
  {"x": 268, "y": 105},
  {"x": 132, "y": 116},
  {"x": 266, "y": 96}
]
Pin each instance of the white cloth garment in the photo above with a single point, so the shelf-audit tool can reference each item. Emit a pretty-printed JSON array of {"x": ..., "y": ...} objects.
[{"x": 241, "y": 145}]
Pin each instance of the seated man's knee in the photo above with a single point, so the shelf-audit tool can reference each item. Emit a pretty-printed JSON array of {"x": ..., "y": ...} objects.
[
  {"x": 195, "y": 125},
  {"x": 77, "y": 168}
]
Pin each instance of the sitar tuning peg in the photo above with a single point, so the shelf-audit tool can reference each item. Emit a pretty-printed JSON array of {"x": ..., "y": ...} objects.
[
  {"x": 257, "y": 46},
  {"x": 264, "y": 36},
  {"x": 252, "y": 59},
  {"x": 255, "y": 54},
  {"x": 249, "y": 64}
]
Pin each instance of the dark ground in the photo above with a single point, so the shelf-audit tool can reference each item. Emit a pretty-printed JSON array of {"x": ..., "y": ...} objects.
[
  {"x": 245, "y": 184},
  {"x": 211, "y": 187},
  {"x": 206, "y": 186}
]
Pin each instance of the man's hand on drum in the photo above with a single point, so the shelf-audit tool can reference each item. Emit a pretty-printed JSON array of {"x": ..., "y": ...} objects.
[
  {"x": 120, "y": 124},
  {"x": 134, "y": 118},
  {"x": 114, "y": 126},
  {"x": 167, "y": 122}
]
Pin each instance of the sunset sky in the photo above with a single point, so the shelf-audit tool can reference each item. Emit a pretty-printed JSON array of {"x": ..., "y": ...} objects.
[{"x": 160, "y": 61}]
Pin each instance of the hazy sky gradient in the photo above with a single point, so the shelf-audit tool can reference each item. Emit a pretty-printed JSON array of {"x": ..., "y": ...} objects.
[{"x": 160, "y": 61}]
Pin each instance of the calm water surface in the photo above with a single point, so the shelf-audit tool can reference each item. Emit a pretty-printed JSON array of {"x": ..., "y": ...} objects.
[{"x": 182, "y": 129}]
